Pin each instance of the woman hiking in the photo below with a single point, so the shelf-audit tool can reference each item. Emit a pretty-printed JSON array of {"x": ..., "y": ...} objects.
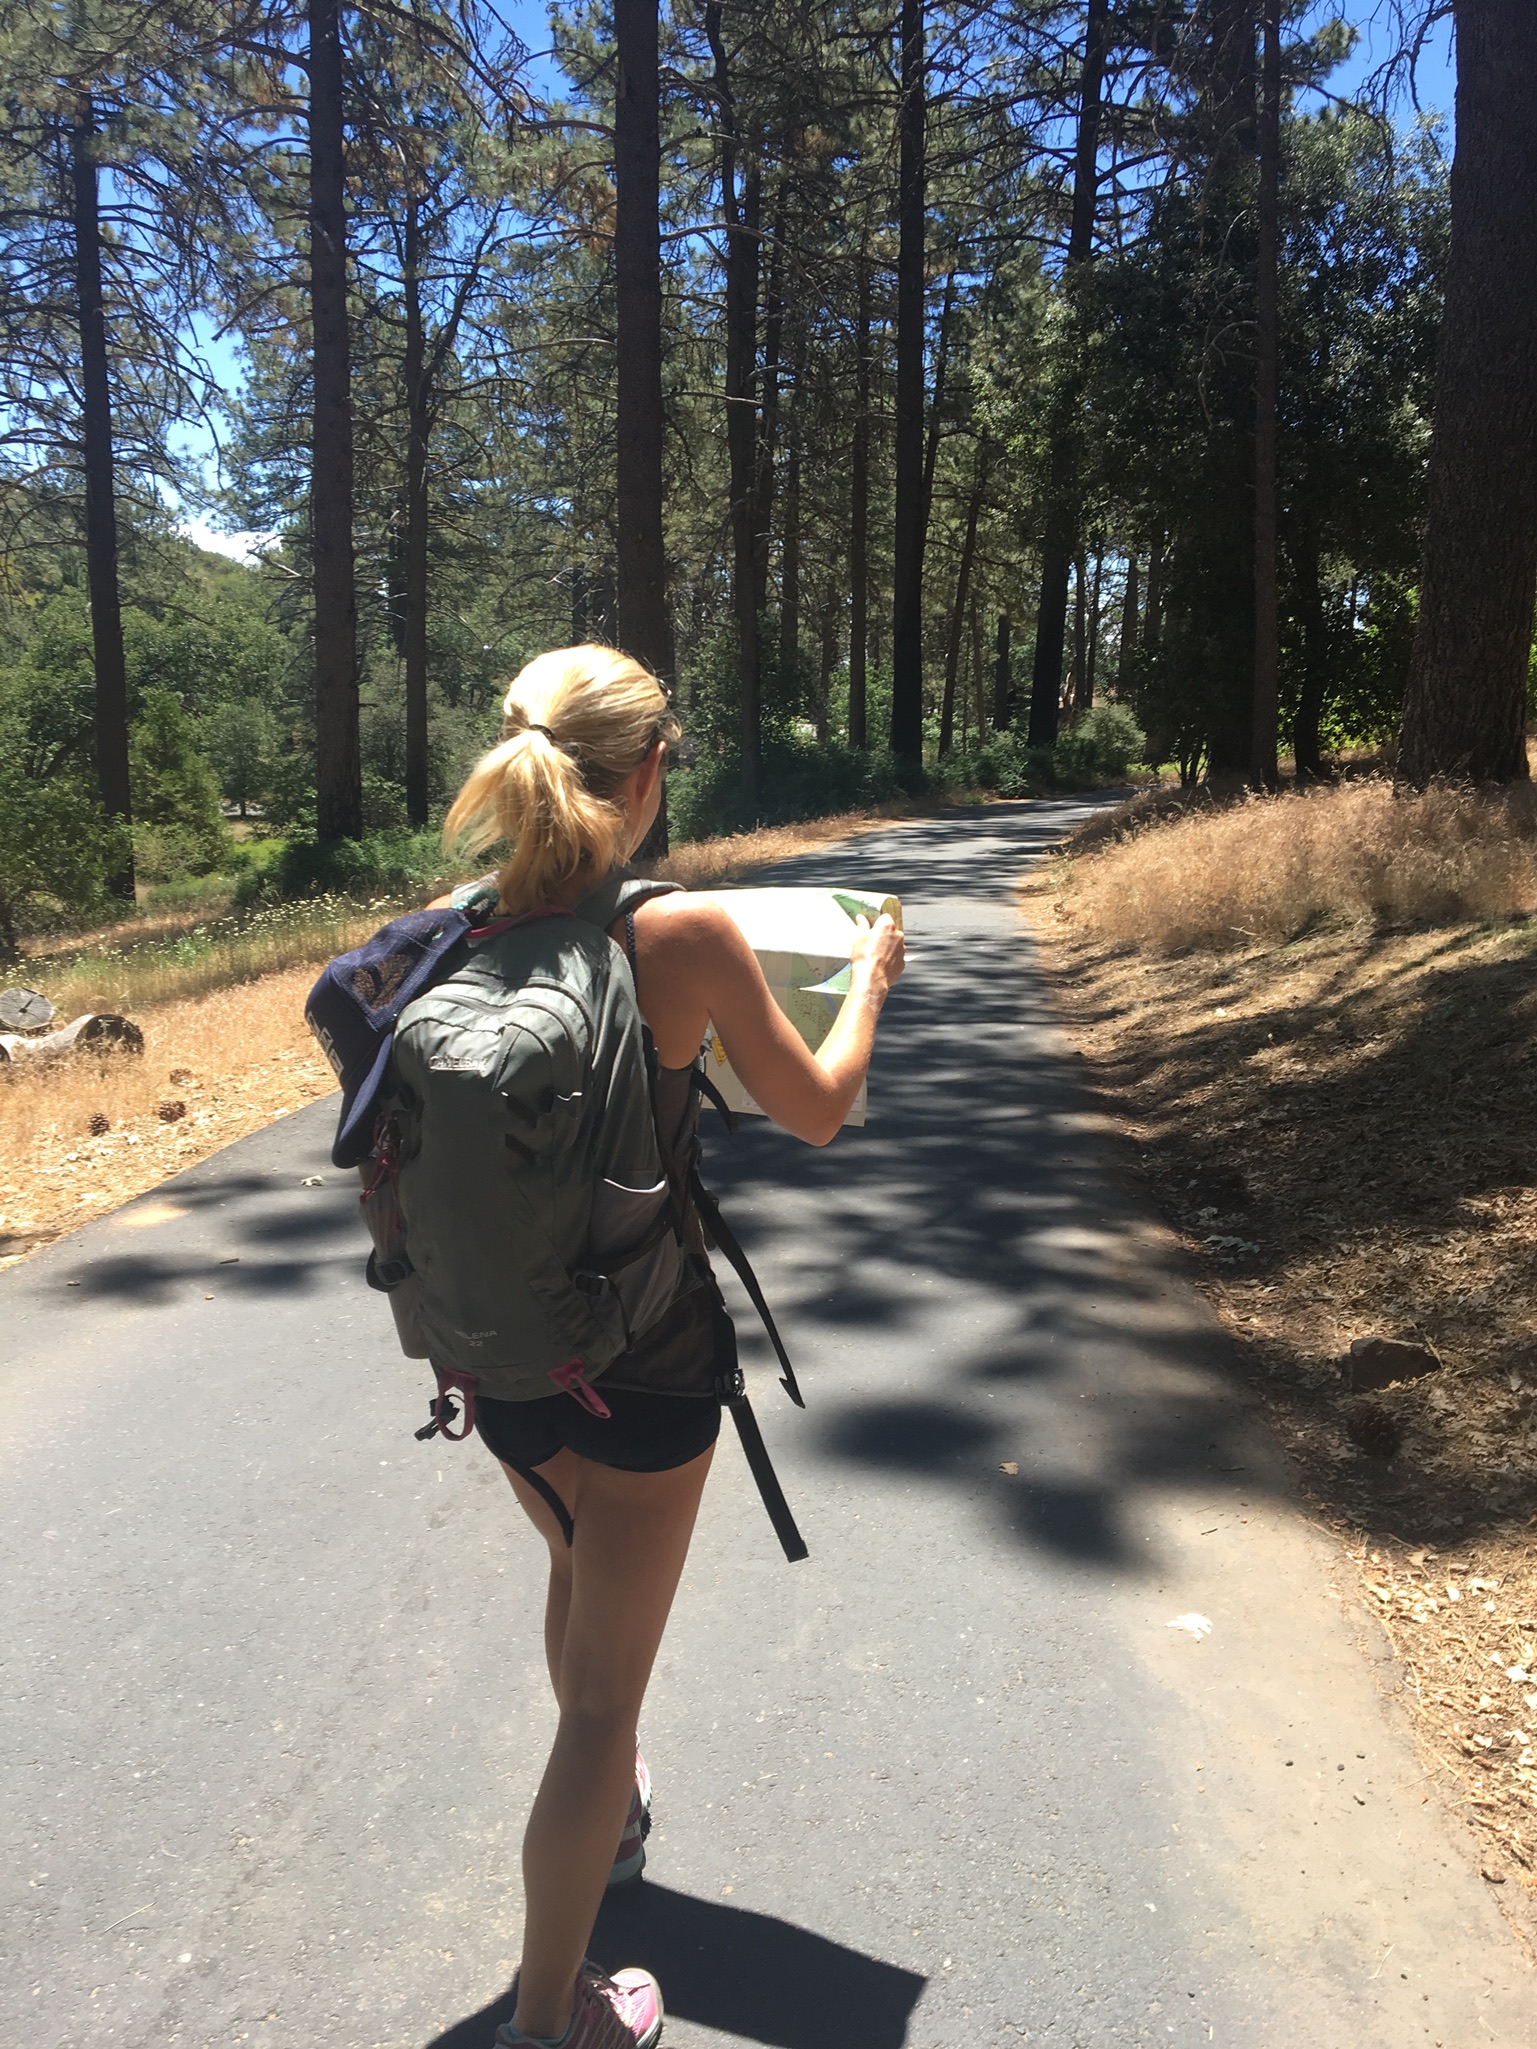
[{"x": 573, "y": 788}]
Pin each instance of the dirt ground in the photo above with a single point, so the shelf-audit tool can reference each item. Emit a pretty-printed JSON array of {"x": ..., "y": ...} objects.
[
  {"x": 82, "y": 1136},
  {"x": 1343, "y": 1131}
]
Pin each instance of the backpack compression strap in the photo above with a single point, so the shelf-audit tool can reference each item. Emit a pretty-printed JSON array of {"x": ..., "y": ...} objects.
[{"x": 728, "y": 1242}]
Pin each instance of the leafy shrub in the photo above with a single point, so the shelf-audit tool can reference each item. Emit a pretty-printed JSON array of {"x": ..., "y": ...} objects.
[
  {"x": 384, "y": 803},
  {"x": 393, "y": 863},
  {"x": 57, "y": 850},
  {"x": 175, "y": 795},
  {"x": 801, "y": 779},
  {"x": 1103, "y": 743},
  {"x": 243, "y": 744}
]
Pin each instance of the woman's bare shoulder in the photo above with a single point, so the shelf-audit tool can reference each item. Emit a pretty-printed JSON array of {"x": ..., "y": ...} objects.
[{"x": 687, "y": 920}]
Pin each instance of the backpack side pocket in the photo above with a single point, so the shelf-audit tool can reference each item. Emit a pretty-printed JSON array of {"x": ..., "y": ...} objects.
[
  {"x": 634, "y": 1245},
  {"x": 390, "y": 1271}
]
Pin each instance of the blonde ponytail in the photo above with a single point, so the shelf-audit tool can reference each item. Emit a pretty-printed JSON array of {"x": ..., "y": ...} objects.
[{"x": 575, "y": 723}]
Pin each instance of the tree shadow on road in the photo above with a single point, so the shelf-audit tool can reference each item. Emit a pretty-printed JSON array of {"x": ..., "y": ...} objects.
[
  {"x": 970, "y": 1279},
  {"x": 748, "y": 1975}
]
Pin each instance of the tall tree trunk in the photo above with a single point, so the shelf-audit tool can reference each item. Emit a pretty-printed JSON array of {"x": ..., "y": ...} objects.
[
  {"x": 1090, "y": 676},
  {"x": 859, "y": 512},
  {"x": 1306, "y": 746},
  {"x": 827, "y": 661},
  {"x": 1127, "y": 650},
  {"x": 958, "y": 611},
  {"x": 644, "y": 619},
  {"x": 1465, "y": 706},
  {"x": 1061, "y": 525},
  {"x": 1227, "y": 121},
  {"x": 907, "y": 536},
  {"x": 1003, "y": 678},
  {"x": 1152, "y": 611},
  {"x": 1080, "y": 630},
  {"x": 768, "y": 409},
  {"x": 108, "y": 661},
  {"x": 1264, "y": 769},
  {"x": 338, "y": 770},
  {"x": 937, "y": 399},
  {"x": 978, "y": 673},
  {"x": 741, "y": 216},
  {"x": 417, "y": 429},
  {"x": 790, "y": 556}
]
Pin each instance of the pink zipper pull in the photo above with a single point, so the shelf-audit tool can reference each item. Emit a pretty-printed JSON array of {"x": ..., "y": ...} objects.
[{"x": 571, "y": 1380}]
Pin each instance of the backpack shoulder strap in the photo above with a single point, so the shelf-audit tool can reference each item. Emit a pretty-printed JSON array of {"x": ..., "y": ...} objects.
[{"x": 619, "y": 895}]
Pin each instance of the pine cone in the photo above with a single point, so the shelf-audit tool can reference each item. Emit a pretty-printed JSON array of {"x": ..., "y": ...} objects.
[
  {"x": 168, "y": 1113},
  {"x": 1373, "y": 1427}
]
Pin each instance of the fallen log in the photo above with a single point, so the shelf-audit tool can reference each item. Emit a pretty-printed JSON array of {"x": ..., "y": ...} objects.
[{"x": 101, "y": 1031}]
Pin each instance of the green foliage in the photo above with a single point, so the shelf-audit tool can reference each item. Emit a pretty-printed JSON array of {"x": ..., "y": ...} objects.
[
  {"x": 391, "y": 863},
  {"x": 1101, "y": 745},
  {"x": 243, "y": 742},
  {"x": 801, "y": 779},
  {"x": 178, "y": 825},
  {"x": 56, "y": 848}
]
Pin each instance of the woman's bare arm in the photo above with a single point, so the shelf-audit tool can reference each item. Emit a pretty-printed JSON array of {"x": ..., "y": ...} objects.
[{"x": 694, "y": 967}]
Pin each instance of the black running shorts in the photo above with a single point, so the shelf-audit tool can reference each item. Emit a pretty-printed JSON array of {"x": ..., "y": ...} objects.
[{"x": 645, "y": 1433}]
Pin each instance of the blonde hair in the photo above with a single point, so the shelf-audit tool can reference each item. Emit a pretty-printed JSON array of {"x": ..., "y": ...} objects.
[{"x": 575, "y": 723}]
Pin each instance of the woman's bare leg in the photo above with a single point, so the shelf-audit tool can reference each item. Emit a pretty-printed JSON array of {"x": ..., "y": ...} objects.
[
  {"x": 632, "y": 1537},
  {"x": 557, "y": 1600}
]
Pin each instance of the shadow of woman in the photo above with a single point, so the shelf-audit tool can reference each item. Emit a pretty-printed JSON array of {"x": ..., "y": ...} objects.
[{"x": 740, "y": 1974}]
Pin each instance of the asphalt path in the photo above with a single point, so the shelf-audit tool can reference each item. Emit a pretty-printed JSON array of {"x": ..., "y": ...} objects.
[{"x": 274, "y": 1695}]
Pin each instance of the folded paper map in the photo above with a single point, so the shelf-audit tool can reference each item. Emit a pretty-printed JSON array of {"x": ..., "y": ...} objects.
[{"x": 804, "y": 940}]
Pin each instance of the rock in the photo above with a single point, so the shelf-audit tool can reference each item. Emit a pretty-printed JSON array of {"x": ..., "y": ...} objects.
[
  {"x": 25, "y": 1010},
  {"x": 1492, "y": 1874},
  {"x": 1373, "y": 1363}
]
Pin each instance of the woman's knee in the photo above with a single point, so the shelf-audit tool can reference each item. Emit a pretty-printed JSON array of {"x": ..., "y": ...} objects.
[{"x": 599, "y": 1717}]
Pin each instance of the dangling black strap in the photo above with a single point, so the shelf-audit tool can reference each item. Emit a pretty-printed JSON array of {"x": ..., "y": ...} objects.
[
  {"x": 556, "y": 1506},
  {"x": 713, "y": 1096},
  {"x": 767, "y": 1480},
  {"x": 726, "y": 1239}
]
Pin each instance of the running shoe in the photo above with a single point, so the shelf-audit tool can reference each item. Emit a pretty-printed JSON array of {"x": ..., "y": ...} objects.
[
  {"x": 622, "y": 2012},
  {"x": 630, "y": 1858}
]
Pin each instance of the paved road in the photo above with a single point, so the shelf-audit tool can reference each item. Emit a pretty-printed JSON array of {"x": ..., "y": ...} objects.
[{"x": 274, "y": 1687}]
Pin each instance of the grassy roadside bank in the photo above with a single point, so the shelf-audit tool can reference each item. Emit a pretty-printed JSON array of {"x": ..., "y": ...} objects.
[
  {"x": 220, "y": 1001},
  {"x": 1315, "y": 1020}
]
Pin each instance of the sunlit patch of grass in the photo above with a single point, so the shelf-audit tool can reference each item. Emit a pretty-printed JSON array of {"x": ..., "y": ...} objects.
[
  {"x": 1215, "y": 877},
  {"x": 133, "y": 973}
]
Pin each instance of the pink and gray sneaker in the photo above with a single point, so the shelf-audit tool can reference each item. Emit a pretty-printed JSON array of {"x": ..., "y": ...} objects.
[
  {"x": 622, "y": 2012},
  {"x": 630, "y": 1858}
]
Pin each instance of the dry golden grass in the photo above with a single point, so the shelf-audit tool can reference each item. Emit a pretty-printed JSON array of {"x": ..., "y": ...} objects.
[
  {"x": 1268, "y": 868},
  {"x": 234, "y": 1060},
  {"x": 130, "y": 973},
  {"x": 703, "y": 864},
  {"x": 1344, "y": 1131}
]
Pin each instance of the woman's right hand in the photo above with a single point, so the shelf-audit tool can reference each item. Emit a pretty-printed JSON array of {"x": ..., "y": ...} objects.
[{"x": 879, "y": 954}]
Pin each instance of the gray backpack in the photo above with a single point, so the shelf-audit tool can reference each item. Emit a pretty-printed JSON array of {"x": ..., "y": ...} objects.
[{"x": 526, "y": 1228}]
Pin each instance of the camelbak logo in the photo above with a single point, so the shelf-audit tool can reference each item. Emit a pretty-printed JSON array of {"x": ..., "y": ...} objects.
[{"x": 458, "y": 1063}]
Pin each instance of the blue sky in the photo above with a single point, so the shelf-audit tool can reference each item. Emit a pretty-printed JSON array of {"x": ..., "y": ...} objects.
[{"x": 1435, "y": 85}]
